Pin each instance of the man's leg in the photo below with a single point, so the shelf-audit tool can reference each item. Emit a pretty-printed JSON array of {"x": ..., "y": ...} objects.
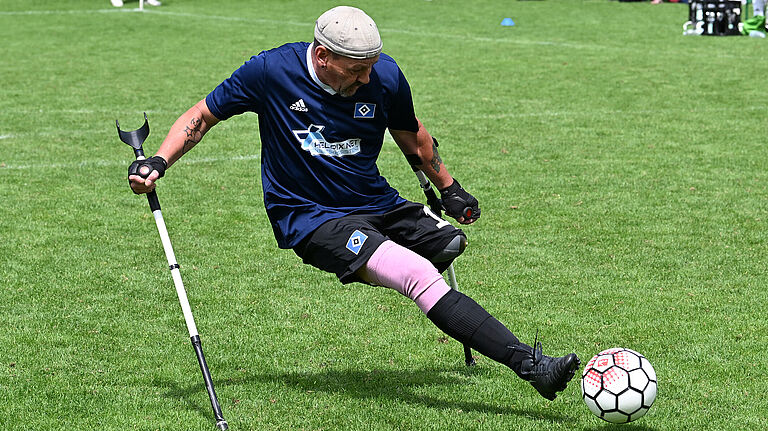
[
  {"x": 758, "y": 7},
  {"x": 398, "y": 268},
  {"x": 460, "y": 317}
]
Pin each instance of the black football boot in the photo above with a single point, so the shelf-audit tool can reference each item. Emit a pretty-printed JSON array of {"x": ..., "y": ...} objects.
[{"x": 546, "y": 374}]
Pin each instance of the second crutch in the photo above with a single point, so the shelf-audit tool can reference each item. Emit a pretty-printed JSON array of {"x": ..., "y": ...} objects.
[{"x": 437, "y": 207}]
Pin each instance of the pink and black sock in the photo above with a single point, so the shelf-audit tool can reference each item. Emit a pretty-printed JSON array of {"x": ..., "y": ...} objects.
[{"x": 458, "y": 315}]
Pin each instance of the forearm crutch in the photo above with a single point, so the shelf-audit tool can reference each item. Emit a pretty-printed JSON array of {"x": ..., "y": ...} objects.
[
  {"x": 437, "y": 207},
  {"x": 135, "y": 139}
]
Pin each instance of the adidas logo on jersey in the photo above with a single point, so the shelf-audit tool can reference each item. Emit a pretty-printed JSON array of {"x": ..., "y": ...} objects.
[{"x": 299, "y": 106}]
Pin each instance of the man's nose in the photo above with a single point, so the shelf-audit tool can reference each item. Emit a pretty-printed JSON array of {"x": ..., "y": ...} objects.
[{"x": 364, "y": 77}]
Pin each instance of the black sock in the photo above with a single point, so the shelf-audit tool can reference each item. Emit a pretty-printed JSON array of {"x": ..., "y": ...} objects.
[{"x": 463, "y": 319}]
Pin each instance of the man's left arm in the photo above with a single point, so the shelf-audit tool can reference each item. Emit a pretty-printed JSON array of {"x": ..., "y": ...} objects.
[{"x": 421, "y": 151}]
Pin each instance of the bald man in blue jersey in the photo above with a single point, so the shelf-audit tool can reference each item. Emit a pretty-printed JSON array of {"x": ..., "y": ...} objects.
[{"x": 323, "y": 108}]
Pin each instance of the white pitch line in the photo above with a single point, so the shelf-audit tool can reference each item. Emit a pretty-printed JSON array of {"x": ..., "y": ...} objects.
[
  {"x": 232, "y": 18},
  {"x": 611, "y": 112},
  {"x": 430, "y": 118},
  {"x": 63, "y": 12},
  {"x": 442, "y": 36},
  {"x": 463, "y": 37},
  {"x": 18, "y": 110},
  {"x": 108, "y": 163},
  {"x": 383, "y": 30}
]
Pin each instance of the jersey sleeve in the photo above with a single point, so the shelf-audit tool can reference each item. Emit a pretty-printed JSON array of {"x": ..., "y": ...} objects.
[
  {"x": 241, "y": 92},
  {"x": 402, "y": 116}
]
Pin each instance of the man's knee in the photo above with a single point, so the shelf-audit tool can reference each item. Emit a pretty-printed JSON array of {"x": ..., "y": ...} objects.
[{"x": 452, "y": 250}]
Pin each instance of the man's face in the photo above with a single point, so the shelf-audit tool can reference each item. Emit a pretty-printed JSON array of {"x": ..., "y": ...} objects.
[{"x": 346, "y": 75}]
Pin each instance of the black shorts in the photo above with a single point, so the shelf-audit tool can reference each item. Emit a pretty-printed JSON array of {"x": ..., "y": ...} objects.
[{"x": 344, "y": 245}]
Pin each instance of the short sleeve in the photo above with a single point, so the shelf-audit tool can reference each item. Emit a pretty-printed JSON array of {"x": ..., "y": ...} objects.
[
  {"x": 401, "y": 115},
  {"x": 241, "y": 92}
]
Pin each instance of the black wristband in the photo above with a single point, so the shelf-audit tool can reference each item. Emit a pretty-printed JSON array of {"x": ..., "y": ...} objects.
[{"x": 450, "y": 189}]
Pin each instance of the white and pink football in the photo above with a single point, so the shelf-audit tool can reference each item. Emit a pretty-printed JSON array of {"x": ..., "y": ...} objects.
[{"x": 618, "y": 385}]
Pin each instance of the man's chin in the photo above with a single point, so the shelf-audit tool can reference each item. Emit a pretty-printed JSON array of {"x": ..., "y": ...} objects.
[{"x": 348, "y": 92}]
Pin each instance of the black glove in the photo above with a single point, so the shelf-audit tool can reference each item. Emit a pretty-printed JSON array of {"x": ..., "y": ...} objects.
[
  {"x": 458, "y": 203},
  {"x": 154, "y": 163}
]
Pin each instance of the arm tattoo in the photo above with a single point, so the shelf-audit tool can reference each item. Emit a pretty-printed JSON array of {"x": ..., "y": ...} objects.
[
  {"x": 436, "y": 160},
  {"x": 194, "y": 135}
]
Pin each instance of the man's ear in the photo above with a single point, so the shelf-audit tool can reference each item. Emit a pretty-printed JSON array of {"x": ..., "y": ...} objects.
[{"x": 322, "y": 53}]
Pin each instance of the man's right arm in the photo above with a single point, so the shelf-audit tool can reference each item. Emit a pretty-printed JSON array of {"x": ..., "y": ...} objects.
[{"x": 185, "y": 133}]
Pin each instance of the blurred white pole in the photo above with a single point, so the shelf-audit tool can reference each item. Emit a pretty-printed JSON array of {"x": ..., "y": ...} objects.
[{"x": 141, "y": 5}]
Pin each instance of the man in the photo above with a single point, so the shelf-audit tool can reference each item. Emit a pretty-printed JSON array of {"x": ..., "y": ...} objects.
[{"x": 323, "y": 110}]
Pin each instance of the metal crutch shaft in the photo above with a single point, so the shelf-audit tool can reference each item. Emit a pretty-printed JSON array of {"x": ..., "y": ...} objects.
[
  {"x": 437, "y": 208},
  {"x": 136, "y": 139}
]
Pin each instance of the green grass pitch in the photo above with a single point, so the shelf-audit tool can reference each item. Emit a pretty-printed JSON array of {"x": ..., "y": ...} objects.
[{"x": 620, "y": 166}]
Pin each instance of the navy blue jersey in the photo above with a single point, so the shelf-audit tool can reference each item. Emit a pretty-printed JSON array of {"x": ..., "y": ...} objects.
[{"x": 319, "y": 150}]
